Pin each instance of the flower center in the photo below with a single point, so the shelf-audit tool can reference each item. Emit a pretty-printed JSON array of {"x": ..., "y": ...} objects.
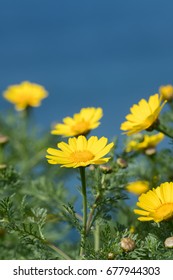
[
  {"x": 82, "y": 156},
  {"x": 81, "y": 127},
  {"x": 164, "y": 212},
  {"x": 25, "y": 97}
]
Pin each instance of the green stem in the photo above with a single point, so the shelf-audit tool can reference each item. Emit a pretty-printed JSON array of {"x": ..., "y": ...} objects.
[
  {"x": 84, "y": 196},
  {"x": 57, "y": 250},
  {"x": 25, "y": 114},
  {"x": 91, "y": 214},
  {"x": 97, "y": 226},
  {"x": 1, "y": 155},
  {"x": 97, "y": 237},
  {"x": 165, "y": 130},
  {"x": 25, "y": 119}
]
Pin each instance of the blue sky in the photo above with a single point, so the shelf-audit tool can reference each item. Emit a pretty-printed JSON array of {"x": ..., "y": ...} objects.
[{"x": 87, "y": 53}]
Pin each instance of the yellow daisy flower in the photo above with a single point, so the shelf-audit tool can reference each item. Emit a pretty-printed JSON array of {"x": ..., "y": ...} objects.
[
  {"x": 80, "y": 152},
  {"x": 25, "y": 94},
  {"x": 143, "y": 115},
  {"x": 80, "y": 124},
  {"x": 138, "y": 187},
  {"x": 157, "y": 204},
  {"x": 149, "y": 141},
  {"x": 166, "y": 92}
]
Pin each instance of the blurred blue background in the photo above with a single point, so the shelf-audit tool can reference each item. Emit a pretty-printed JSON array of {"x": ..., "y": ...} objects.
[{"x": 87, "y": 53}]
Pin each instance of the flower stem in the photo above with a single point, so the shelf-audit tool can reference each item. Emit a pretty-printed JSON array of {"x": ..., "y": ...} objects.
[
  {"x": 1, "y": 155},
  {"x": 97, "y": 225},
  {"x": 59, "y": 251},
  {"x": 165, "y": 130},
  {"x": 91, "y": 214},
  {"x": 97, "y": 236},
  {"x": 84, "y": 195}
]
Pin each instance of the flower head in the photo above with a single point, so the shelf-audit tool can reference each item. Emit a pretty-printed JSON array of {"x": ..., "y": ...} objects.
[
  {"x": 127, "y": 244},
  {"x": 148, "y": 141},
  {"x": 138, "y": 187},
  {"x": 25, "y": 94},
  {"x": 3, "y": 139},
  {"x": 169, "y": 242},
  {"x": 80, "y": 124},
  {"x": 166, "y": 92},
  {"x": 143, "y": 115},
  {"x": 80, "y": 152},
  {"x": 157, "y": 204}
]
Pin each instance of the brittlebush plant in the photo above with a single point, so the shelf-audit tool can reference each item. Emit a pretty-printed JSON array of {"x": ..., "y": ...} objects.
[{"x": 67, "y": 194}]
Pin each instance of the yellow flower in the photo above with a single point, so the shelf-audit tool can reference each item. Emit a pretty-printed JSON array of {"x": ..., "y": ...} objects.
[
  {"x": 80, "y": 152},
  {"x": 25, "y": 94},
  {"x": 166, "y": 92},
  {"x": 143, "y": 115},
  {"x": 138, "y": 187},
  {"x": 157, "y": 204},
  {"x": 146, "y": 143},
  {"x": 79, "y": 124}
]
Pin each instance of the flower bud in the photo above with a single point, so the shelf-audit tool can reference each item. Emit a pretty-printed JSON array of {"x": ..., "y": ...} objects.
[
  {"x": 3, "y": 166},
  {"x": 3, "y": 139},
  {"x": 169, "y": 242},
  {"x": 2, "y": 232},
  {"x": 91, "y": 167},
  {"x": 127, "y": 244},
  {"x": 150, "y": 151},
  {"x": 166, "y": 92},
  {"x": 111, "y": 256},
  {"x": 122, "y": 163},
  {"x": 106, "y": 169},
  {"x": 132, "y": 229}
]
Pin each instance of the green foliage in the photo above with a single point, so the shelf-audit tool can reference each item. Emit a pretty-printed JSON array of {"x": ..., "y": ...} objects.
[{"x": 41, "y": 218}]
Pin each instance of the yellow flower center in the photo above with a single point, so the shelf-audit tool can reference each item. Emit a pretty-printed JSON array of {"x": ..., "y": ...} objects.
[
  {"x": 82, "y": 156},
  {"x": 164, "y": 212},
  {"x": 25, "y": 97},
  {"x": 81, "y": 127}
]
